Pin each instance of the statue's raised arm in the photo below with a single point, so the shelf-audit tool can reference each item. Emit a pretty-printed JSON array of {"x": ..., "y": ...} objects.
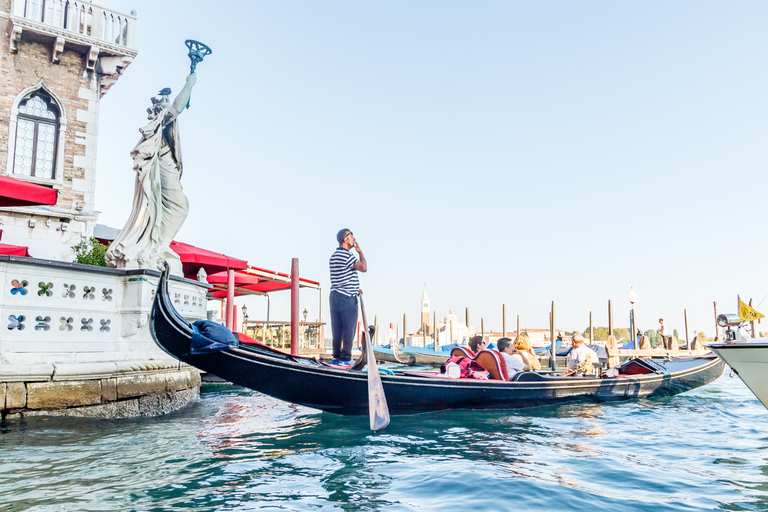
[{"x": 182, "y": 99}]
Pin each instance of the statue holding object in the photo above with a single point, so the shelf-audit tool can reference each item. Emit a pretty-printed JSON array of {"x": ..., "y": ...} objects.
[{"x": 159, "y": 204}]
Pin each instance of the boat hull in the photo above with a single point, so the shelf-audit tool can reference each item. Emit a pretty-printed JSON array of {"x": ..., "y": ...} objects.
[
  {"x": 313, "y": 384},
  {"x": 412, "y": 358},
  {"x": 749, "y": 359}
]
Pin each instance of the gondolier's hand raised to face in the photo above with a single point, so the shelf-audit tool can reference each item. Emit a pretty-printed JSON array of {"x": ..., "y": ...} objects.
[{"x": 361, "y": 265}]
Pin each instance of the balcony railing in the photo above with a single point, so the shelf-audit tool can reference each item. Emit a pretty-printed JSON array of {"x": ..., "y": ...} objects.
[
  {"x": 278, "y": 334},
  {"x": 80, "y": 17}
]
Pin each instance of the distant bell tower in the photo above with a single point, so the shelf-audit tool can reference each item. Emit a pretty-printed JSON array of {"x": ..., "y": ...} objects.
[{"x": 425, "y": 310}]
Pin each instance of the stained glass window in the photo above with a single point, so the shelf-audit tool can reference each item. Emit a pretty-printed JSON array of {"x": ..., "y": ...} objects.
[{"x": 36, "y": 133}]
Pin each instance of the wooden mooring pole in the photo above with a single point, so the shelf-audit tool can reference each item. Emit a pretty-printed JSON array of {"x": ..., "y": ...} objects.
[
  {"x": 591, "y": 329},
  {"x": 687, "y": 337},
  {"x": 552, "y": 336},
  {"x": 717, "y": 327},
  {"x": 434, "y": 327},
  {"x": 610, "y": 318},
  {"x": 295, "y": 306},
  {"x": 504, "y": 320}
]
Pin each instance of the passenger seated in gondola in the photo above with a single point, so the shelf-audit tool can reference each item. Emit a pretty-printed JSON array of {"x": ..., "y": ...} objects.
[
  {"x": 476, "y": 344},
  {"x": 517, "y": 361},
  {"x": 581, "y": 359},
  {"x": 523, "y": 344}
]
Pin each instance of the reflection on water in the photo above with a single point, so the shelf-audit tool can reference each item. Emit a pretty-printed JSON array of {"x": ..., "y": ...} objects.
[{"x": 236, "y": 451}]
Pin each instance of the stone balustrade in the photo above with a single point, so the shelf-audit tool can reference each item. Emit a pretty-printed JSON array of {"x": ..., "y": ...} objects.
[
  {"x": 81, "y": 18},
  {"x": 75, "y": 340}
]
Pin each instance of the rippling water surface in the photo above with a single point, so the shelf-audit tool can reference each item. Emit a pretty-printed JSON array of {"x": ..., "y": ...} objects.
[{"x": 235, "y": 450}]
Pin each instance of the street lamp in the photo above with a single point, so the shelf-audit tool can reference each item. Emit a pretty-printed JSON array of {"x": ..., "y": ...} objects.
[
  {"x": 305, "y": 315},
  {"x": 632, "y": 320},
  {"x": 245, "y": 316}
]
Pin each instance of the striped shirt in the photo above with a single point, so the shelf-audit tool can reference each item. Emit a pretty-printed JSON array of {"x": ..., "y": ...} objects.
[{"x": 343, "y": 274}]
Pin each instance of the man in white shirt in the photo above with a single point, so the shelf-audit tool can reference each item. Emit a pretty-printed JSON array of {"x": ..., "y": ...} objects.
[
  {"x": 580, "y": 358},
  {"x": 516, "y": 360}
]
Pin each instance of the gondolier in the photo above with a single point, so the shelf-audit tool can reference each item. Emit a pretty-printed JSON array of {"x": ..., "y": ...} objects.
[{"x": 345, "y": 287}]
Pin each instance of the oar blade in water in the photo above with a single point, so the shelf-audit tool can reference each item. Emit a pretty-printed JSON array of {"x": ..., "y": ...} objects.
[{"x": 377, "y": 402}]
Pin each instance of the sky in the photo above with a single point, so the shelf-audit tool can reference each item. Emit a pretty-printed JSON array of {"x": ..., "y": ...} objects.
[{"x": 500, "y": 152}]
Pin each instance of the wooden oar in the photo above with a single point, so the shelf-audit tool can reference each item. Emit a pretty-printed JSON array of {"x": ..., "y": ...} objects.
[{"x": 377, "y": 402}]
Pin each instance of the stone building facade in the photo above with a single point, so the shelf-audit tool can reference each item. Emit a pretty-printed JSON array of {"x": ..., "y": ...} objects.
[
  {"x": 74, "y": 339},
  {"x": 57, "y": 60}
]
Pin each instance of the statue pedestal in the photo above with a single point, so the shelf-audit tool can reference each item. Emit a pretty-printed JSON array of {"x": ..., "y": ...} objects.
[{"x": 77, "y": 336}]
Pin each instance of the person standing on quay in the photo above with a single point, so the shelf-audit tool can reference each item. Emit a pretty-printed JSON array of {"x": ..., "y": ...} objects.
[
  {"x": 345, "y": 287},
  {"x": 664, "y": 334}
]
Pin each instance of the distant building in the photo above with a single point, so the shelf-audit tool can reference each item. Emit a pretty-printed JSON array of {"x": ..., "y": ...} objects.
[
  {"x": 451, "y": 330},
  {"x": 425, "y": 312}
]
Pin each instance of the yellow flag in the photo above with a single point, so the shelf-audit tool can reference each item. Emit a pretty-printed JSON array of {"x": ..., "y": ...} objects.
[{"x": 746, "y": 313}]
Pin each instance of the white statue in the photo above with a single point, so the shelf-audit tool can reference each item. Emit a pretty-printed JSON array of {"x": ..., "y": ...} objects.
[{"x": 159, "y": 203}]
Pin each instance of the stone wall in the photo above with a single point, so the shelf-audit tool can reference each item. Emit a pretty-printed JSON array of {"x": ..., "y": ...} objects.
[
  {"x": 144, "y": 392},
  {"x": 75, "y": 340}
]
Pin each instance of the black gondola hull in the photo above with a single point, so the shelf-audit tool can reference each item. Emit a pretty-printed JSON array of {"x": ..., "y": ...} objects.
[{"x": 310, "y": 383}]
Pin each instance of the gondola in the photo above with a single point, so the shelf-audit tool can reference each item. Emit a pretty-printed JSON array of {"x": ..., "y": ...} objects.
[{"x": 311, "y": 383}]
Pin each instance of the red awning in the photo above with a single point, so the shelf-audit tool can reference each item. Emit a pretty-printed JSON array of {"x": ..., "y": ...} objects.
[
  {"x": 15, "y": 192},
  {"x": 194, "y": 258},
  {"x": 240, "y": 278},
  {"x": 256, "y": 281},
  {"x": 13, "y": 250}
]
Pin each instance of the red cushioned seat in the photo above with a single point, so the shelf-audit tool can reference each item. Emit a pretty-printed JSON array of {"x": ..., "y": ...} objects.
[
  {"x": 493, "y": 363},
  {"x": 462, "y": 352}
]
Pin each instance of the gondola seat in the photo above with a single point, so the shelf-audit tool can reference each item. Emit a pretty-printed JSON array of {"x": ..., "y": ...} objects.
[
  {"x": 493, "y": 363},
  {"x": 462, "y": 352},
  {"x": 528, "y": 377}
]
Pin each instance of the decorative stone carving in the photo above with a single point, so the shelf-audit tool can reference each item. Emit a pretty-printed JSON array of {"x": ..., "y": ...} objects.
[
  {"x": 159, "y": 204},
  {"x": 93, "y": 57},
  {"x": 202, "y": 275},
  {"x": 87, "y": 324},
  {"x": 45, "y": 289},
  {"x": 132, "y": 324},
  {"x": 66, "y": 323},
  {"x": 15, "y": 38},
  {"x": 58, "y": 48},
  {"x": 16, "y": 322},
  {"x": 43, "y": 323},
  {"x": 19, "y": 287}
]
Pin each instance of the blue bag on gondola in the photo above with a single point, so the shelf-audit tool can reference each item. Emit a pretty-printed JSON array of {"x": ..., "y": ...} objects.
[{"x": 211, "y": 337}]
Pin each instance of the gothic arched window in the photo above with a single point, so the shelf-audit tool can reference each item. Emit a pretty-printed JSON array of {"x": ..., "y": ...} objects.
[{"x": 36, "y": 133}]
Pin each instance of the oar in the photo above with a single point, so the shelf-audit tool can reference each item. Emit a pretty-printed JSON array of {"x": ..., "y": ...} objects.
[{"x": 377, "y": 402}]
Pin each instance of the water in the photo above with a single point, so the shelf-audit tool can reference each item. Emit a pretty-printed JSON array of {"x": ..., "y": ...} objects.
[{"x": 237, "y": 451}]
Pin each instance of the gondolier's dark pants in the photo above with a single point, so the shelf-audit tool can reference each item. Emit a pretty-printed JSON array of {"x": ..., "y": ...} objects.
[{"x": 343, "y": 324}]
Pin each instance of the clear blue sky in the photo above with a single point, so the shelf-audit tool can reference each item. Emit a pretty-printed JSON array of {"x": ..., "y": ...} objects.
[{"x": 501, "y": 152}]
